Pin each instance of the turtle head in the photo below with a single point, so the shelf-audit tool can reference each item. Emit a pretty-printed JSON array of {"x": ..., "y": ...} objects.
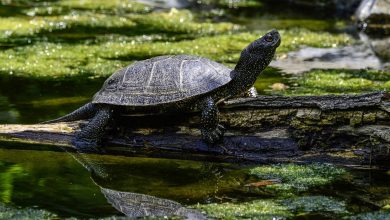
[
  {"x": 265, "y": 46},
  {"x": 258, "y": 54}
]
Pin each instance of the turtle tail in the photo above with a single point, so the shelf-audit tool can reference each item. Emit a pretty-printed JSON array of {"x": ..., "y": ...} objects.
[{"x": 84, "y": 112}]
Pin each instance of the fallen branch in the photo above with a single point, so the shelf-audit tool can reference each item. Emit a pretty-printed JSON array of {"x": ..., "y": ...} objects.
[{"x": 348, "y": 129}]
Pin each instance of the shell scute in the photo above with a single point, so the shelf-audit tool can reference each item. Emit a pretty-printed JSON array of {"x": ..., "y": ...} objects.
[{"x": 162, "y": 79}]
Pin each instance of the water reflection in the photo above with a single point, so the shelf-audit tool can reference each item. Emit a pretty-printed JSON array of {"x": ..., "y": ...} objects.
[
  {"x": 141, "y": 205},
  {"x": 142, "y": 187}
]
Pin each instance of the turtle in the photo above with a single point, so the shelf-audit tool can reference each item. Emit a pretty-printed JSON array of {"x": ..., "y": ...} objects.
[{"x": 173, "y": 82}]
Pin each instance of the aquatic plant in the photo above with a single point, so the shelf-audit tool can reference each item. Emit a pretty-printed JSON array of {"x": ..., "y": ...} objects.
[
  {"x": 371, "y": 215},
  {"x": 340, "y": 81},
  {"x": 307, "y": 204},
  {"x": 24, "y": 213},
  {"x": 297, "y": 178},
  {"x": 258, "y": 209},
  {"x": 276, "y": 208}
]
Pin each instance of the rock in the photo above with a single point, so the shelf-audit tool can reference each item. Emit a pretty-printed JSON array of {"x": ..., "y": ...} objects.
[
  {"x": 381, "y": 48},
  {"x": 373, "y": 16},
  {"x": 308, "y": 58}
]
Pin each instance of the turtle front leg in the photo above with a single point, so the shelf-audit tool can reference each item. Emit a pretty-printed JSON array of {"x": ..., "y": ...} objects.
[
  {"x": 211, "y": 130},
  {"x": 89, "y": 137}
]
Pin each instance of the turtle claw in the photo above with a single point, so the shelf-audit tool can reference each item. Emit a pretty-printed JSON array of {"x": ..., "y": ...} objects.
[{"x": 213, "y": 136}]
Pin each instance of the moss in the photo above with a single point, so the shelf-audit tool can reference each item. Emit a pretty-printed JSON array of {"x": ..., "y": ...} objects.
[
  {"x": 103, "y": 58},
  {"x": 340, "y": 81},
  {"x": 21, "y": 27},
  {"x": 292, "y": 39},
  {"x": 116, "y": 6},
  {"x": 307, "y": 204},
  {"x": 371, "y": 215},
  {"x": 25, "y": 214},
  {"x": 70, "y": 38},
  {"x": 259, "y": 209},
  {"x": 298, "y": 178},
  {"x": 275, "y": 208},
  {"x": 46, "y": 8},
  {"x": 386, "y": 85},
  {"x": 179, "y": 21}
]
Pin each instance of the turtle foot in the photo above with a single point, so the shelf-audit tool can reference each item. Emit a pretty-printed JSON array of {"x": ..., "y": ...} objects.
[
  {"x": 213, "y": 136},
  {"x": 84, "y": 145}
]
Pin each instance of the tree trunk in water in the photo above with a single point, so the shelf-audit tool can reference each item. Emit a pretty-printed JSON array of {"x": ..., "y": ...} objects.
[{"x": 347, "y": 129}]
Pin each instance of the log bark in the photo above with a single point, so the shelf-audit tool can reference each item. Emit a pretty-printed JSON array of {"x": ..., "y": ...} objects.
[{"x": 347, "y": 129}]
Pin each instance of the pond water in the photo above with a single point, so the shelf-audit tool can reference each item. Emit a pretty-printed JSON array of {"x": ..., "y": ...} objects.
[
  {"x": 62, "y": 185},
  {"x": 54, "y": 55}
]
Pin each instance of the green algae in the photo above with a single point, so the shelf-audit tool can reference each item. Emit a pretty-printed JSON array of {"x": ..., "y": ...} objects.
[
  {"x": 24, "y": 213},
  {"x": 371, "y": 215},
  {"x": 179, "y": 22},
  {"x": 258, "y": 209},
  {"x": 70, "y": 38},
  {"x": 174, "y": 22},
  {"x": 320, "y": 82},
  {"x": 285, "y": 201},
  {"x": 276, "y": 208},
  {"x": 102, "y": 59},
  {"x": 297, "y": 178},
  {"x": 307, "y": 204},
  {"x": 113, "y": 6}
]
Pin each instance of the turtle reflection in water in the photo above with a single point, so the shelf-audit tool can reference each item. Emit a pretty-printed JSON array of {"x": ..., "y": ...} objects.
[
  {"x": 140, "y": 205},
  {"x": 171, "y": 83},
  {"x": 134, "y": 205}
]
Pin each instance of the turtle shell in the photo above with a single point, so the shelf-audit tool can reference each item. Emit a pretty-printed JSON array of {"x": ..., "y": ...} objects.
[{"x": 163, "y": 79}]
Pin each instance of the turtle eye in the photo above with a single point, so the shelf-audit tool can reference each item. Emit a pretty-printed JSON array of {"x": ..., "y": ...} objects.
[
  {"x": 269, "y": 38},
  {"x": 111, "y": 81}
]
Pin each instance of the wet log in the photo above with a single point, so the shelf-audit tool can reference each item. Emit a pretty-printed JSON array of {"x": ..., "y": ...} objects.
[{"x": 347, "y": 129}]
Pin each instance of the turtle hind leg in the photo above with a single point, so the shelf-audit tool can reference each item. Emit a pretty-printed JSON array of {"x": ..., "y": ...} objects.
[
  {"x": 211, "y": 130},
  {"x": 89, "y": 137}
]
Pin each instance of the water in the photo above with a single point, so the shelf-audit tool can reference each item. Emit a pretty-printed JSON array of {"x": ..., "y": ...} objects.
[
  {"x": 48, "y": 70},
  {"x": 63, "y": 181}
]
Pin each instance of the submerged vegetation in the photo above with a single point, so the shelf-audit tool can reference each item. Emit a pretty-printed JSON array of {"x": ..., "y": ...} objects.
[
  {"x": 297, "y": 178},
  {"x": 289, "y": 198},
  {"x": 26, "y": 213}
]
